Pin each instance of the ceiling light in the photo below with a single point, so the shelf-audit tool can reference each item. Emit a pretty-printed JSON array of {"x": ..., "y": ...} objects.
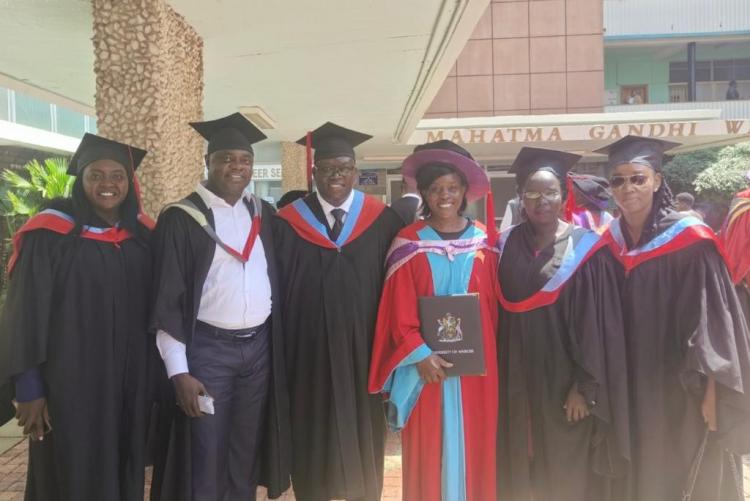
[{"x": 258, "y": 116}]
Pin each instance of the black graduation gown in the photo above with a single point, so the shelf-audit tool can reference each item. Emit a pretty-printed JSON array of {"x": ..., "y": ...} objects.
[
  {"x": 330, "y": 300},
  {"x": 78, "y": 309},
  {"x": 683, "y": 321},
  {"x": 542, "y": 352},
  {"x": 183, "y": 253}
]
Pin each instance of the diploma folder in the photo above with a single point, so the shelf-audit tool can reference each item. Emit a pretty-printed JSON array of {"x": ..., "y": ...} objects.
[{"x": 452, "y": 328}]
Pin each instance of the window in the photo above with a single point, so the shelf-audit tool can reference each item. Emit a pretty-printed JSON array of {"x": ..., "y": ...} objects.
[
  {"x": 33, "y": 112},
  {"x": 741, "y": 69},
  {"x": 70, "y": 123},
  {"x": 4, "y": 108},
  {"x": 722, "y": 70},
  {"x": 678, "y": 72}
]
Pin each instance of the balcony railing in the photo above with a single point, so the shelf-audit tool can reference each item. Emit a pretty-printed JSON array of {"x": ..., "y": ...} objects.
[
  {"x": 729, "y": 109},
  {"x": 27, "y": 110}
]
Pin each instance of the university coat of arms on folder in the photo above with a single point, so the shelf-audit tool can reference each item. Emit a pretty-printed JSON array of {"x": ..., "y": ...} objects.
[{"x": 452, "y": 328}]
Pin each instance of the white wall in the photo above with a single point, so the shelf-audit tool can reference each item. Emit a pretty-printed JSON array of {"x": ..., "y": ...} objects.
[{"x": 675, "y": 17}]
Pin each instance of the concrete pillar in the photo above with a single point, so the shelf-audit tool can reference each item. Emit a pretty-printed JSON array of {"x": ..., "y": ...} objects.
[
  {"x": 149, "y": 85},
  {"x": 293, "y": 167},
  {"x": 691, "y": 51}
]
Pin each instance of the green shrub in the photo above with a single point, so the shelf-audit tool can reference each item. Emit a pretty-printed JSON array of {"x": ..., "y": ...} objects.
[{"x": 726, "y": 176}]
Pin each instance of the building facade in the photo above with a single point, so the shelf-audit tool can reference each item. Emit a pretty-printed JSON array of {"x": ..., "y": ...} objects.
[{"x": 574, "y": 74}]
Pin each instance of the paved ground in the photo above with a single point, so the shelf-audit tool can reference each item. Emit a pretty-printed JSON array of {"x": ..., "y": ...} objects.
[{"x": 13, "y": 469}]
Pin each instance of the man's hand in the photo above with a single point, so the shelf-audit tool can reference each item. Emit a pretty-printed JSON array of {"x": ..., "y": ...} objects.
[
  {"x": 575, "y": 405},
  {"x": 33, "y": 416},
  {"x": 431, "y": 369},
  {"x": 187, "y": 389}
]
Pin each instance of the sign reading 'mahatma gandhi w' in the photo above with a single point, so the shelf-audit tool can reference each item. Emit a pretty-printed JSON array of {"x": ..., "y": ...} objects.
[{"x": 545, "y": 134}]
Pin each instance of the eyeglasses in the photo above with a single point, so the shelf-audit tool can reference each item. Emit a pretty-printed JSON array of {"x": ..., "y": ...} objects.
[
  {"x": 535, "y": 196},
  {"x": 332, "y": 171},
  {"x": 635, "y": 180}
]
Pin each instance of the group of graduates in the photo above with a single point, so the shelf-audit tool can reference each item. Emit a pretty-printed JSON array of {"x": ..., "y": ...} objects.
[{"x": 230, "y": 345}]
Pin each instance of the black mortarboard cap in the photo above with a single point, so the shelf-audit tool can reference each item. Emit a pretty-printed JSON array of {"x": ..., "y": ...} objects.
[
  {"x": 530, "y": 160},
  {"x": 93, "y": 148},
  {"x": 593, "y": 189},
  {"x": 646, "y": 151},
  {"x": 233, "y": 132},
  {"x": 331, "y": 141}
]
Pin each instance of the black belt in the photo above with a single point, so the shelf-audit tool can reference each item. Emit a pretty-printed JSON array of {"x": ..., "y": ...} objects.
[{"x": 238, "y": 334}]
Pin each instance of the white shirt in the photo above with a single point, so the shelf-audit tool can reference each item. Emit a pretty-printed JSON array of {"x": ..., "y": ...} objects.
[
  {"x": 327, "y": 208},
  {"x": 235, "y": 295},
  {"x": 507, "y": 218}
]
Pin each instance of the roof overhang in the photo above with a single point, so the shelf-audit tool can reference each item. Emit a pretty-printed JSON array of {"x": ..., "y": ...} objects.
[
  {"x": 373, "y": 66},
  {"x": 13, "y": 134}
]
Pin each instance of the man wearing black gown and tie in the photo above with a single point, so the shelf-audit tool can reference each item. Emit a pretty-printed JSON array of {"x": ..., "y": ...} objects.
[{"x": 331, "y": 247}]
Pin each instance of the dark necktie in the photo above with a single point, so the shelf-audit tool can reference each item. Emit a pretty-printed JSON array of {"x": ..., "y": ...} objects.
[{"x": 338, "y": 223}]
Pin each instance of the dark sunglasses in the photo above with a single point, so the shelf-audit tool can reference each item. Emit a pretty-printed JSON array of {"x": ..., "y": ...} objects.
[{"x": 635, "y": 180}]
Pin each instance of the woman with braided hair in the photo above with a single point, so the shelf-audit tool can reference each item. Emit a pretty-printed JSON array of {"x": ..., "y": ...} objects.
[{"x": 687, "y": 343}]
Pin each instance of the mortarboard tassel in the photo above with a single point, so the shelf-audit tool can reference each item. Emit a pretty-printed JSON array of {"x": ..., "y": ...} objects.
[
  {"x": 308, "y": 147},
  {"x": 570, "y": 202},
  {"x": 489, "y": 205},
  {"x": 143, "y": 218}
]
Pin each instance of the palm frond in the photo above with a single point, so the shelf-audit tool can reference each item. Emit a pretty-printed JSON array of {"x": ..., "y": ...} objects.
[
  {"x": 21, "y": 206},
  {"x": 17, "y": 181}
]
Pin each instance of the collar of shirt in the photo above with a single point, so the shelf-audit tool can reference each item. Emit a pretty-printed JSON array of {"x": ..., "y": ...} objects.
[
  {"x": 212, "y": 200},
  {"x": 327, "y": 208},
  {"x": 412, "y": 195}
]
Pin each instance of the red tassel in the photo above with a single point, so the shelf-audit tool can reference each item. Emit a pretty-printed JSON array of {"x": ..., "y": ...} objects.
[
  {"x": 570, "y": 202},
  {"x": 308, "y": 147},
  {"x": 144, "y": 218},
  {"x": 489, "y": 204}
]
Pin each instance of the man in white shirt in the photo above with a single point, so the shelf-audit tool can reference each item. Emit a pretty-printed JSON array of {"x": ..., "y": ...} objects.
[{"x": 216, "y": 319}]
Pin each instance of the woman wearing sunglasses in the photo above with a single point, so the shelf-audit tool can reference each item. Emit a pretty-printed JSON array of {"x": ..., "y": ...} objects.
[
  {"x": 563, "y": 429},
  {"x": 687, "y": 342}
]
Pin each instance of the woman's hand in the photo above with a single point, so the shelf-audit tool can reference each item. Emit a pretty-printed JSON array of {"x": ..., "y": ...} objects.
[
  {"x": 708, "y": 408},
  {"x": 33, "y": 417},
  {"x": 431, "y": 369},
  {"x": 575, "y": 406}
]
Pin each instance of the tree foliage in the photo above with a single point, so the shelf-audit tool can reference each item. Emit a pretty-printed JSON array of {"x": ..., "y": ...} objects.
[
  {"x": 726, "y": 176},
  {"x": 23, "y": 194},
  {"x": 26, "y": 191},
  {"x": 683, "y": 169}
]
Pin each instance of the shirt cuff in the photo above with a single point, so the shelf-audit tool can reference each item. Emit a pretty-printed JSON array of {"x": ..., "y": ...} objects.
[
  {"x": 173, "y": 353},
  {"x": 29, "y": 385}
]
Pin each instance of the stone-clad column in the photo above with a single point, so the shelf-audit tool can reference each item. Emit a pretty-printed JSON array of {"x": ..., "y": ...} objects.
[
  {"x": 293, "y": 167},
  {"x": 149, "y": 85}
]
